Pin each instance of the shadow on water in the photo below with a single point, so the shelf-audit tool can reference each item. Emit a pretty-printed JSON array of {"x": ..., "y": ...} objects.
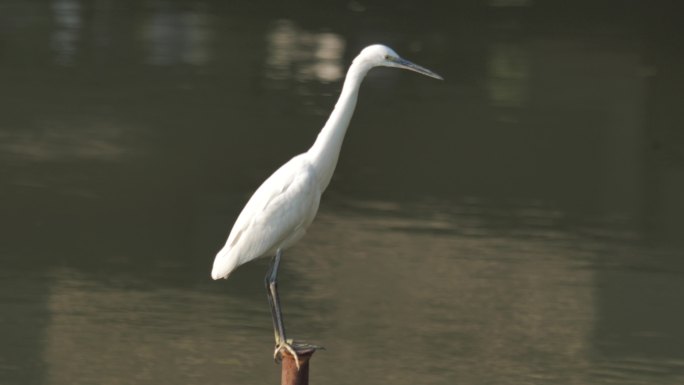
[{"x": 518, "y": 223}]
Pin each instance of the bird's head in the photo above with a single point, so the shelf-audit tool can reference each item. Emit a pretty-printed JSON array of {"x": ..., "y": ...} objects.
[{"x": 379, "y": 55}]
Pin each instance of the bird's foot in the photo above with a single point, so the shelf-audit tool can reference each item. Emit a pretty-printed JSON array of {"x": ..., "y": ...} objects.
[
  {"x": 285, "y": 346},
  {"x": 294, "y": 349}
]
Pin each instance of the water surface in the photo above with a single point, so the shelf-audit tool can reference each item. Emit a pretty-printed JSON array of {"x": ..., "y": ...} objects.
[{"x": 519, "y": 223}]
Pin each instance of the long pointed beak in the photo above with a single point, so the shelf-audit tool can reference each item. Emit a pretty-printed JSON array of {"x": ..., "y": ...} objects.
[{"x": 403, "y": 63}]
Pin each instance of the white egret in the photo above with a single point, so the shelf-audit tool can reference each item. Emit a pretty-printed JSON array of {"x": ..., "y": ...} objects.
[{"x": 282, "y": 208}]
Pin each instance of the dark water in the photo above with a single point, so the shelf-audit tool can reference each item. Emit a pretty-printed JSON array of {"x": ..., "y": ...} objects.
[{"x": 519, "y": 223}]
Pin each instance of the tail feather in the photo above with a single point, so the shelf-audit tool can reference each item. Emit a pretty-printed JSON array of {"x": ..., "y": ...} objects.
[{"x": 224, "y": 264}]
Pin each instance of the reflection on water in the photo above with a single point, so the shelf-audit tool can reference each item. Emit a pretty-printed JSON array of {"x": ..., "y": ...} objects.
[
  {"x": 127, "y": 332},
  {"x": 176, "y": 36},
  {"x": 438, "y": 293},
  {"x": 64, "y": 39},
  {"x": 518, "y": 223},
  {"x": 52, "y": 141},
  {"x": 508, "y": 75},
  {"x": 423, "y": 286},
  {"x": 304, "y": 56}
]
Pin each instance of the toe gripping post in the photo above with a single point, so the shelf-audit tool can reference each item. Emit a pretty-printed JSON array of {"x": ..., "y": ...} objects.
[{"x": 295, "y": 370}]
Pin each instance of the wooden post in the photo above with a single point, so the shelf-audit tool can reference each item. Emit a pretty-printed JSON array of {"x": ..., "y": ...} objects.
[{"x": 290, "y": 375}]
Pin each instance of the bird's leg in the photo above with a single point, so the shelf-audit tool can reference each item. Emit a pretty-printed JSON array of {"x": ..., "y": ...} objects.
[{"x": 274, "y": 301}]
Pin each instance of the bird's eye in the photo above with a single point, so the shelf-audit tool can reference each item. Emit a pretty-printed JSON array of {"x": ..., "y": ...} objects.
[{"x": 386, "y": 57}]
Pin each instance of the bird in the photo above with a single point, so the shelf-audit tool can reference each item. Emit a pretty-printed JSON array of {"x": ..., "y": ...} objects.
[{"x": 280, "y": 211}]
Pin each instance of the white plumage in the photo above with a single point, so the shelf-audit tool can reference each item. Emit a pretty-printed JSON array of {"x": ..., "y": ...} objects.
[
  {"x": 276, "y": 216},
  {"x": 282, "y": 208}
]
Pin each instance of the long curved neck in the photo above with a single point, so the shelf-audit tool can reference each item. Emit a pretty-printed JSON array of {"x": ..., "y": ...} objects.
[{"x": 326, "y": 150}]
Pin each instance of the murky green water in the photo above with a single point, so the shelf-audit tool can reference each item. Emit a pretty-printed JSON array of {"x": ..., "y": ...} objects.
[{"x": 519, "y": 223}]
